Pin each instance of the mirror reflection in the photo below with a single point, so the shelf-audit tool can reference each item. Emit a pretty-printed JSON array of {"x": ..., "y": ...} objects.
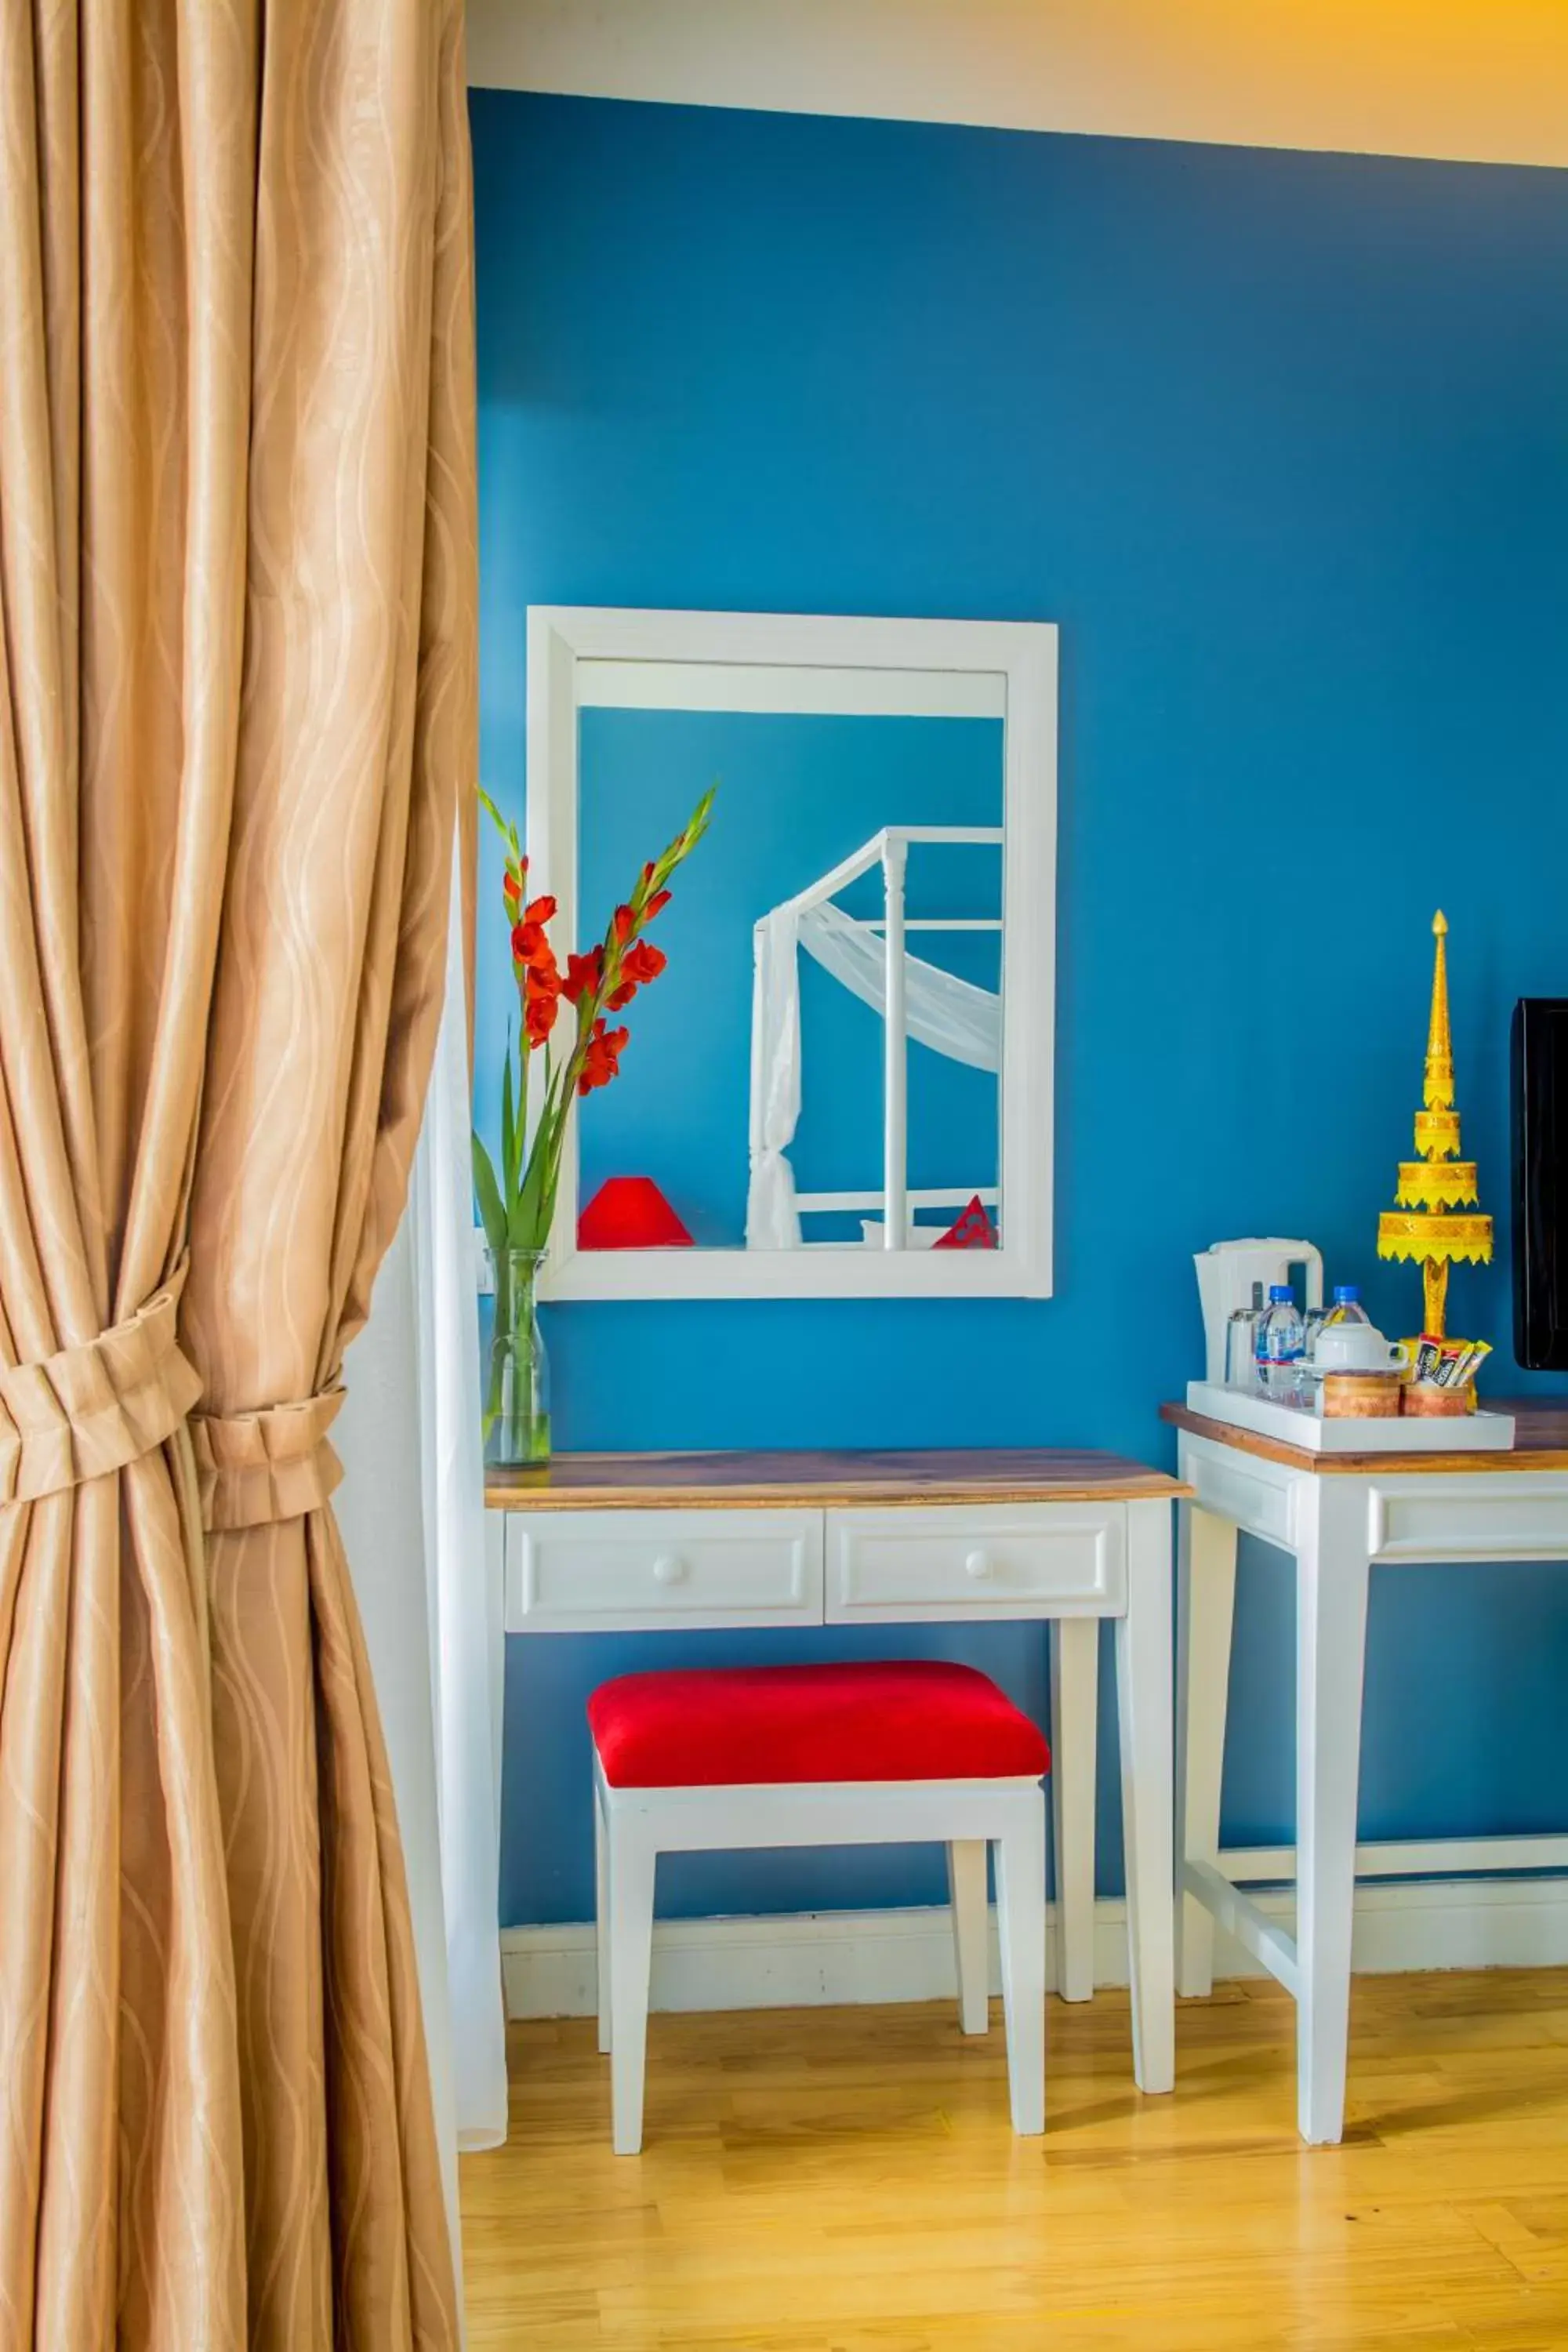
[{"x": 819, "y": 1067}]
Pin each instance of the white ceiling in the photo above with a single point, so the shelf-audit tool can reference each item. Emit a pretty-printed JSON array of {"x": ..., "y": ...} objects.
[{"x": 1480, "y": 80}]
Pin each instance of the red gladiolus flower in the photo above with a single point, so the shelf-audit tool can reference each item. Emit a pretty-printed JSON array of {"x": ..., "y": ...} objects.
[
  {"x": 603, "y": 1063},
  {"x": 529, "y": 945},
  {"x": 643, "y": 962},
  {"x": 562, "y": 1060},
  {"x": 541, "y": 995},
  {"x": 582, "y": 974}
]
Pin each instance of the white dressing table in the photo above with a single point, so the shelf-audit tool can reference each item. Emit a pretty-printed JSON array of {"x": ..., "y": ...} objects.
[{"x": 615, "y": 1543}]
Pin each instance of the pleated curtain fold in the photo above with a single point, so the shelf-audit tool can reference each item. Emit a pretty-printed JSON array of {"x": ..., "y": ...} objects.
[{"x": 236, "y": 706}]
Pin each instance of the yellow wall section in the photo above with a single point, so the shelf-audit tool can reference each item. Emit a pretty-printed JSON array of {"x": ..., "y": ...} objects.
[{"x": 1479, "y": 80}]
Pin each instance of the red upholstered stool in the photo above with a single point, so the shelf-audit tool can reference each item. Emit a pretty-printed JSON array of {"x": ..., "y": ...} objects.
[{"x": 899, "y": 1751}]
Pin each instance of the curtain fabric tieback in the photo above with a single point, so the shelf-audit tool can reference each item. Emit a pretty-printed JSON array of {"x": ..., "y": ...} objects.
[
  {"x": 273, "y": 1463},
  {"x": 93, "y": 1408}
]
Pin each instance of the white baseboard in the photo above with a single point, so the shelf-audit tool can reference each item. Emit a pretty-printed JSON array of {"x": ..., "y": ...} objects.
[{"x": 832, "y": 1958}]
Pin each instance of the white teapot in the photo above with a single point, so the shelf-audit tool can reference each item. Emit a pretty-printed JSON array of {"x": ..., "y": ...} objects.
[{"x": 1357, "y": 1347}]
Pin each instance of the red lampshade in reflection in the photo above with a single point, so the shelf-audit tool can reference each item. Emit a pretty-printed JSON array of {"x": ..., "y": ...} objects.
[
  {"x": 630, "y": 1213},
  {"x": 971, "y": 1229}
]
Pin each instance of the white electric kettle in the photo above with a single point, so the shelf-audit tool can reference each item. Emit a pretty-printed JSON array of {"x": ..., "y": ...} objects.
[{"x": 1226, "y": 1273}]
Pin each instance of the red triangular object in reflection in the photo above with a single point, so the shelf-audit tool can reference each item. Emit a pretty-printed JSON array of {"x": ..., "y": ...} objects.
[
  {"x": 971, "y": 1229},
  {"x": 630, "y": 1213}
]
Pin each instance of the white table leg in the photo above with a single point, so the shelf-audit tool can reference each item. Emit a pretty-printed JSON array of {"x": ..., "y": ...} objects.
[
  {"x": 1021, "y": 1926},
  {"x": 1144, "y": 1705},
  {"x": 1331, "y": 1575},
  {"x": 966, "y": 1894},
  {"x": 1075, "y": 1722},
  {"x": 1205, "y": 1605},
  {"x": 603, "y": 1939},
  {"x": 632, "y": 1860}
]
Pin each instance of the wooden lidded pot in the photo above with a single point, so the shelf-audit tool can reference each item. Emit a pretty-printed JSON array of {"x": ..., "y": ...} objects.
[
  {"x": 1361, "y": 1396},
  {"x": 1427, "y": 1401}
]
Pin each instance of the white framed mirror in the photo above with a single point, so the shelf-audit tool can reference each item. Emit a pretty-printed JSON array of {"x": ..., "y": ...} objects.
[{"x": 841, "y": 1085}]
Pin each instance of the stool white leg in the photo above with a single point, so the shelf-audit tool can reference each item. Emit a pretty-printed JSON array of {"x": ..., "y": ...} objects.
[
  {"x": 631, "y": 1873},
  {"x": 1143, "y": 1704},
  {"x": 1021, "y": 1919},
  {"x": 1074, "y": 1719},
  {"x": 1331, "y": 1578},
  {"x": 602, "y": 1937},
  {"x": 966, "y": 1892},
  {"x": 1206, "y": 1607}
]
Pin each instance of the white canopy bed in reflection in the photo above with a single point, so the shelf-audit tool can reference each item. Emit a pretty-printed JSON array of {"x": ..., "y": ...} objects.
[
  {"x": 584, "y": 658},
  {"x": 914, "y": 999}
]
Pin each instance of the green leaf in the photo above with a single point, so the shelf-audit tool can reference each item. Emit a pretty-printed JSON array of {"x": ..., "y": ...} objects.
[
  {"x": 509, "y": 1135},
  {"x": 524, "y": 1230},
  {"x": 494, "y": 814},
  {"x": 491, "y": 1213}
]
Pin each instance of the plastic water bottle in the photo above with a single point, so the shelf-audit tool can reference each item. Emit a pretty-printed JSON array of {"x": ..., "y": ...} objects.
[
  {"x": 1281, "y": 1346},
  {"x": 1347, "y": 1307}
]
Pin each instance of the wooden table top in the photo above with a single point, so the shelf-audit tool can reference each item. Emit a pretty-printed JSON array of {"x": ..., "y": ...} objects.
[
  {"x": 599, "y": 1481},
  {"x": 1541, "y": 1442}
]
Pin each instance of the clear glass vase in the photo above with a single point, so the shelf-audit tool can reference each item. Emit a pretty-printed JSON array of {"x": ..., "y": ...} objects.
[{"x": 517, "y": 1401}]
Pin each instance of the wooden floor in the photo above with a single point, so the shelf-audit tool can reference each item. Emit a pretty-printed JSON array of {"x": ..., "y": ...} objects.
[{"x": 845, "y": 2180}]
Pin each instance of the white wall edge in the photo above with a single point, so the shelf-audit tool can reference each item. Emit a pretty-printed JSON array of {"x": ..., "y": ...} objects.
[
  {"x": 838, "y": 1958},
  {"x": 1485, "y": 83}
]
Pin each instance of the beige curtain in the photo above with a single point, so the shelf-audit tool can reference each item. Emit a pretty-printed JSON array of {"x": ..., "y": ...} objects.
[{"x": 235, "y": 704}]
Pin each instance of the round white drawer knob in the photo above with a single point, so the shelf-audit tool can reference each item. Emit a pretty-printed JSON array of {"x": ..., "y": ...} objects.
[
  {"x": 669, "y": 1568},
  {"x": 977, "y": 1564}
]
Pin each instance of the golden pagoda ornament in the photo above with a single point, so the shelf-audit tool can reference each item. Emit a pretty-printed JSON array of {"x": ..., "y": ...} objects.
[{"x": 1436, "y": 1221}]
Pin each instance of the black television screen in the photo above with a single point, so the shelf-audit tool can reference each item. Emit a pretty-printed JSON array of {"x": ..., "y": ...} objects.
[{"x": 1540, "y": 1070}]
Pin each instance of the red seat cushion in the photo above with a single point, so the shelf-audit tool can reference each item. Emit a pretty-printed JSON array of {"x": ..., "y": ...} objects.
[{"x": 895, "y": 1719}]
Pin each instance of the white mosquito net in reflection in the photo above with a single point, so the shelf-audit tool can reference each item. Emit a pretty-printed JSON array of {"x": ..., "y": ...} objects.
[{"x": 950, "y": 1016}]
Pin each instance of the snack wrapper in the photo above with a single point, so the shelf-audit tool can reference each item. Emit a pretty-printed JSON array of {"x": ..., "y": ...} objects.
[{"x": 1447, "y": 1363}]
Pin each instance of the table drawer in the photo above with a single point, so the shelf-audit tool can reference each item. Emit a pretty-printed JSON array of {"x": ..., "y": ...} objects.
[
  {"x": 1511, "y": 1515},
  {"x": 587, "y": 1571},
  {"x": 1005, "y": 1560}
]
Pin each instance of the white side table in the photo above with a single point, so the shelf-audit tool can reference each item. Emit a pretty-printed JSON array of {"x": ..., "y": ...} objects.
[{"x": 1336, "y": 1516}]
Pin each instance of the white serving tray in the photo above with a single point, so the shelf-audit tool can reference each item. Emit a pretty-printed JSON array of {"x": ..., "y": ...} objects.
[{"x": 1469, "y": 1433}]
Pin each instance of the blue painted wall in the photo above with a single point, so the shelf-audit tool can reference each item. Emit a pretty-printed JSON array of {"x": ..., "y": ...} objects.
[{"x": 1281, "y": 442}]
